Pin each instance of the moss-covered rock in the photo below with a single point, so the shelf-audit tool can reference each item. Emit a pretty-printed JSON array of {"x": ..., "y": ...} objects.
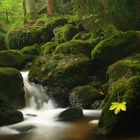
[
  {"x": 84, "y": 96},
  {"x": 65, "y": 33},
  {"x": 81, "y": 36},
  {"x": 12, "y": 58},
  {"x": 61, "y": 70},
  {"x": 10, "y": 117},
  {"x": 76, "y": 46},
  {"x": 116, "y": 47},
  {"x": 11, "y": 87},
  {"x": 31, "y": 52},
  {"x": 2, "y": 41},
  {"x": 47, "y": 31},
  {"x": 21, "y": 37},
  {"x": 123, "y": 90},
  {"x": 71, "y": 114},
  {"x": 49, "y": 47},
  {"x": 27, "y": 36},
  {"x": 125, "y": 68},
  {"x": 61, "y": 73}
]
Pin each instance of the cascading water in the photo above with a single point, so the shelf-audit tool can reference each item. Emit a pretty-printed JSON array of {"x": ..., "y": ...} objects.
[
  {"x": 36, "y": 97},
  {"x": 41, "y": 120}
]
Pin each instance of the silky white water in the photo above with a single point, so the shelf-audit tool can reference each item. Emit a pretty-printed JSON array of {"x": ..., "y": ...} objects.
[{"x": 41, "y": 119}]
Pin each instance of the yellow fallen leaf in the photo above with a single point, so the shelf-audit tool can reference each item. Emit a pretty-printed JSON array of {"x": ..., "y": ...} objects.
[{"x": 117, "y": 107}]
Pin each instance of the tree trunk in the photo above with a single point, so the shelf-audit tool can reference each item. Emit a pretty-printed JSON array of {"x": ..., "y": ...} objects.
[
  {"x": 24, "y": 11},
  {"x": 50, "y": 8}
]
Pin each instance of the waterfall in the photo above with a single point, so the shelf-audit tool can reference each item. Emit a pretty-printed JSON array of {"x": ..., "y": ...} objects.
[{"x": 35, "y": 95}]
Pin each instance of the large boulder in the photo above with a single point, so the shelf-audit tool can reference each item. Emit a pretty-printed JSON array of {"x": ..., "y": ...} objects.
[
  {"x": 12, "y": 58},
  {"x": 125, "y": 68},
  {"x": 84, "y": 96},
  {"x": 65, "y": 33},
  {"x": 116, "y": 47},
  {"x": 71, "y": 114},
  {"x": 11, "y": 96},
  {"x": 76, "y": 46},
  {"x": 123, "y": 90},
  {"x": 61, "y": 72},
  {"x": 21, "y": 37},
  {"x": 11, "y": 87}
]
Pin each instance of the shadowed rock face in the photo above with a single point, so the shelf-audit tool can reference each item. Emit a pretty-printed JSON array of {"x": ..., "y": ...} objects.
[
  {"x": 123, "y": 14},
  {"x": 11, "y": 96}
]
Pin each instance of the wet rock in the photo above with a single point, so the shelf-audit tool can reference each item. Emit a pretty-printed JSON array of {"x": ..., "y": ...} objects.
[
  {"x": 71, "y": 114},
  {"x": 84, "y": 96}
]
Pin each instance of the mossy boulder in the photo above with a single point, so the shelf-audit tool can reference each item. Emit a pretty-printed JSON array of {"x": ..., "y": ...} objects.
[
  {"x": 123, "y": 90},
  {"x": 75, "y": 46},
  {"x": 81, "y": 36},
  {"x": 116, "y": 47},
  {"x": 47, "y": 31},
  {"x": 63, "y": 71},
  {"x": 65, "y": 33},
  {"x": 2, "y": 41},
  {"x": 84, "y": 96},
  {"x": 71, "y": 114},
  {"x": 10, "y": 117},
  {"x": 12, "y": 58},
  {"x": 125, "y": 68},
  {"x": 21, "y": 37},
  {"x": 11, "y": 87},
  {"x": 31, "y": 52},
  {"x": 48, "y": 47}
]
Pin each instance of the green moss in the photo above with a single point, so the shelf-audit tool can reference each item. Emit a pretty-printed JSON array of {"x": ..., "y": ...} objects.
[
  {"x": 46, "y": 32},
  {"x": 65, "y": 33},
  {"x": 31, "y": 52},
  {"x": 49, "y": 47},
  {"x": 116, "y": 47},
  {"x": 84, "y": 96},
  {"x": 81, "y": 36},
  {"x": 75, "y": 46},
  {"x": 61, "y": 70},
  {"x": 21, "y": 37},
  {"x": 11, "y": 87},
  {"x": 12, "y": 58},
  {"x": 123, "y": 90},
  {"x": 27, "y": 36},
  {"x": 127, "y": 68}
]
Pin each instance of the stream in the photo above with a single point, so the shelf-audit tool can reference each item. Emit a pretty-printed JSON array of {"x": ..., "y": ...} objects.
[{"x": 41, "y": 120}]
